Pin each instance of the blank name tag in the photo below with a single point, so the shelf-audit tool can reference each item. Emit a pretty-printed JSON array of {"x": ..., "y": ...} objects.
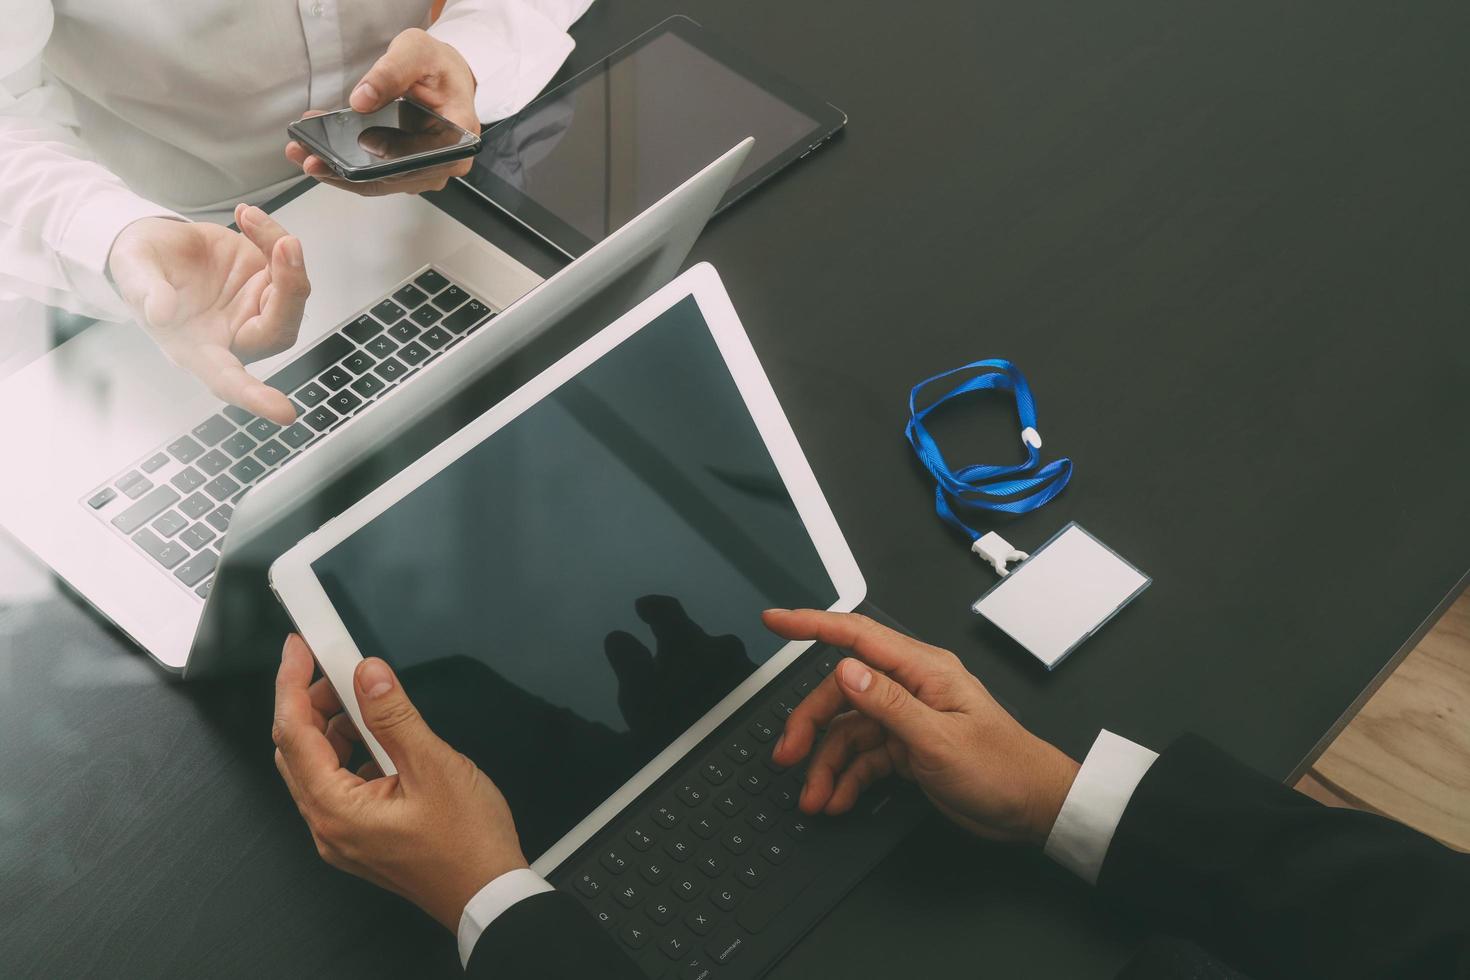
[{"x": 1062, "y": 594}]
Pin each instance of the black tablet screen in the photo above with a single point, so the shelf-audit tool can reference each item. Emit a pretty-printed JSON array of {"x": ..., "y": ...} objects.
[{"x": 573, "y": 592}]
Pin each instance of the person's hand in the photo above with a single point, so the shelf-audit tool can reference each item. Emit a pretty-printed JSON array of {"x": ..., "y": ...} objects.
[
  {"x": 213, "y": 299},
  {"x": 901, "y": 706},
  {"x": 435, "y": 833},
  {"x": 431, "y": 73}
]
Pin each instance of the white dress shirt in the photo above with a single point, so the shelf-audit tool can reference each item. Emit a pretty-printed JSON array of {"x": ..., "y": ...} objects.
[
  {"x": 114, "y": 110},
  {"x": 1079, "y": 839}
]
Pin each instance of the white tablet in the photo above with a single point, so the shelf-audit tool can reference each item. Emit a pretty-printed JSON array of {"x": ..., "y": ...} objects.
[{"x": 570, "y": 587}]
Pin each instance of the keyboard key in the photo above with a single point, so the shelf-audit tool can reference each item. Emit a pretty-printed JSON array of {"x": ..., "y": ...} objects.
[
  {"x": 221, "y": 487},
  {"x": 828, "y": 661},
  {"x": 332, "y": 349},
  {"x": 388, "y": 311},
  {"x": 660, "y": 911},
  {"x": 588, "y": 884},
  {"x": 166, "y": 553},
  {"x": 238, "y": 445},
  {"x": 772, "y": 765},
  {"x": 154, "y": 462},
  {"x": 334, "y": 377},
  {"x": 128, "y": 479},
  {"x": 665, "y": 816},
  {"x": 320, "y": 419},
  {"x": 466, "y": 316},
  {"x": 271, "y": 452},
  {"x": 219, "y": 518},
  {"x": 726, "y": 897},
  {"x": 212, "y": 430},
  {"x": 711, "y": 864},
  {"x": 296, "y": 435},
  {"x": 782, "y": 708},
  {"x": 196, "y": 537},
  {"x": 311, "y": 396},
  {"x": 214, "y": 462},
  {"x": 363, "y": 329},
  {"x": 436, "y": 337},
  {"x": 431, "y": 282},
  {"x": 358, "y": 362},
  {"x": 368, "y": 385},
  {"x": 236, "y": 414},
  {"x": 154, "y": 503},
  {"x": 390, "y": 369},
  {"x": 738, "y": 751},
  {"x": 759, "y": 908},
  {"x": 102, "y": 498},
  {"x": 753, "y": 782},
  {"x": 628, "y": 894},
  {"x": 761, "y": 818},
  {"x": 196, "y": 506},
  {"x": 654, "y": 871},
  {"x": 639, "y": 839},
  {"x": 797, "y": 827},
  {"x": 613, "y": 861},
  {"x": 776, "y": 852},
  {"x": 691, "y": 794},
  {"x": 409, "y": 296},
  {"x": 344, "y": 402},
  {"x": 136, "y": 489},
  {"x": 171, "y": 523},
  {"x": 704, "y": 827},
  {"x": 262, "y": 429},
  {"x": 761, "y": 729},
  {"x": 695, "y": 969},
  {"x": 749, "y": 874},
  {"x": 404, "y": 332},
  {"x": 187, "y": 480},
  {"x": 687, "y": 886},
  {"x": 203, "y": 590},
  {"x": 449, "y": 298},
  {"x": 715, "y": 771},
  {"x": 426, "y": 316},
  {"x": 736, "y": 841},
  {"x": 381, "y": 346},
  {"x": 700, "y": 920},
  {"x": 413, "y": 353},
  {"x": 803, "y": 687},
  {"x": 673, "y": 947},
  {"x": 185, "y": 449},
  {"x": 725, "y": 945},
  {"x": 678, "y": 848},
  {"x": 605, "y": 917},
  {"x": 247, "y": 469},
  {"x": 634, "y": 935},
  {"x": 729, "y": 803}
]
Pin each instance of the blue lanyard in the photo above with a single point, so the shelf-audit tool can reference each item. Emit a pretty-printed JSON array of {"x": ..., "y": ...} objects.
[{"x": 1004, "y": 489}]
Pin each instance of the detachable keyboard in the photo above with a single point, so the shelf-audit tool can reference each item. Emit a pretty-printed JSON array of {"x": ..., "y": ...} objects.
[
  {"x": 714, "y": 872},
  {"x": 175, "y": 504}
]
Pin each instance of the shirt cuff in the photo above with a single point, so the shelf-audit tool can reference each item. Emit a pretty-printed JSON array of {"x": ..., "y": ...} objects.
[
  {"x": 490, "y": 901},
  {"x": 512, "y": 49},
  {"x": 87, "y": 242},
  {"x": 1090, "y": 814}
]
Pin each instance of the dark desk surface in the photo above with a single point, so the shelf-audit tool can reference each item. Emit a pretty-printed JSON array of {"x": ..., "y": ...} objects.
[{"x": 1227, "y": 244}]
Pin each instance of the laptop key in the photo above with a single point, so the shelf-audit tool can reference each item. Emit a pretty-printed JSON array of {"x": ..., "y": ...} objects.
[
  {"x": 221, "y": 487},
  {"x": 725, "y": 945},
  {"x": 700, "y": 920},
  {"x": 761, "y": 729},
  {"x": 729, "y": 803},
  {"x": 735, "y": 841},
  {"x": 320, "y": 419},
  {"x": 388, "y": 311},
  {"x": 738, "y": 751},
  {"x": 673, "y": 947},
  {"x": 761, "y": 818},
  {"x": 628, "y": 894},
  {"x": 197, "y": 537},
  {"x": 344, "y": 402},
  {"x": 368, "y": 385},
  {"x": 678, "y": 848},
  {"x": 381, "y": 346},
  {"x": 466, "y": 316},
  {"x": 150, "y": 506},
  {"x": 102, "y": 498},
  {"x": 715, "y": 772},
  {"x": 409, "y": 296},
  {"x": 271, "y": 452},
  {"x": 797, "y": 827},
  {"x": 187, "y": 480},
  {"x": 691, "y": 794},
  {"x": 436, "y": 337},
  {"x": 358, "y": 361},
  {"x": 213, "y": 463},
  {"x": 236, "y": 414},
  {"x": 137, "y": 488},
  {"x": 640, "y": 839},
  {"x": 749, "y": 874},
  {"x": 725, "y": 896},
  {"x": 184, "y": 449},
  {"x": 312, "y": 395},
  {"x": 390, "y": 369},
  {"x": 363, "y": 329},
  {"x": 238, "y": 445},
  {"x": 633, "y": 935},
  {"x": 711, "y": 864},
  {"x": 449, "y": 298},
  {"x": 296, "y": 435},
  {"x": 196, "y": 505},
  {"x": 427, "y": 316},
  {"x": 247, "y": 469},
  {"x": 404, "y": 332},
  {"x": 332, "y": 349},
  {"x": 171, "y": 523},
  {"x": 130, "y": 478},
  {"x": 665, "y": 816},
  {"x": 334, "y": 377},
  {"x": 776, "y": 852},
  {"x": 662, "y": 912},
  {"x": 605, "y": 917},
  {"x": 654, "y": 871},
  {"x": 588, "y": 884},
  {"x": 613, "y": 861},
  {"x": 213, "y": 429},
  {"x": 687, "y": 886},
  {"x": 413, "y": 353},
  {"x": 166, "y": 553},
  {"x": 704, "y": 827},
  {"x": 196, "y": 568},
  {"x": 154, "y": 462},
  {"x": 219, "y": 518},
  {"x": 753, "y": 782},
  {"x": 430, "y": 282},
  {"x": 262, "y": 429},
  {"x": 203, "y": 590}
]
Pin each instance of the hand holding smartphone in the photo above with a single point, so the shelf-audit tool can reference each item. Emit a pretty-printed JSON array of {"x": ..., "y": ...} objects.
[{"x": 401, "y": 137}]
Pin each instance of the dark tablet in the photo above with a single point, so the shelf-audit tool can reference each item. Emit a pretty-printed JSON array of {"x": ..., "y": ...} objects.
[{"x": 587, "y": 156}]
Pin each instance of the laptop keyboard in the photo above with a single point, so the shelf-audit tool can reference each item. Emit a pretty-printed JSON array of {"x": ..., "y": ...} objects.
[
  {"x": 175, "y": 504},
  {"x": 688, "y": 881}
]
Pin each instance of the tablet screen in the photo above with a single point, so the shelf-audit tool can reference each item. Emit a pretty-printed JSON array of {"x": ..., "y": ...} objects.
[
  {"x": 568, "y": 596},
  {"x": 578, "y": 163}
]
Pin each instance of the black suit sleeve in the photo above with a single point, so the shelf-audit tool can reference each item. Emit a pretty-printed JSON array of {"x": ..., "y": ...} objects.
[
  {"x": 1279, "y": 885},
  {"x": 548, "y": 937}
]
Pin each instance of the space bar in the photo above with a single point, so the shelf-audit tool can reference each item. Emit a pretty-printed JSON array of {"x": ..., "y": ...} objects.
[{"x": 310, "y": 364}]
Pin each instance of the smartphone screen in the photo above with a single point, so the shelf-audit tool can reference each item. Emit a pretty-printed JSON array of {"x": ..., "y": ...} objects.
[{"x": 398, "y": 131}]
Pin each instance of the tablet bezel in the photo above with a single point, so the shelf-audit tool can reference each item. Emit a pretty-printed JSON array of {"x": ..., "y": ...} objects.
[
  {"x": 300, "y": 591},
  {"x": 570, "y": 241}
]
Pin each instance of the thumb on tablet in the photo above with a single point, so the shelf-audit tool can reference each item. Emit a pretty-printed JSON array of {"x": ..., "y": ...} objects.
[{"x": 391, "y": 716}]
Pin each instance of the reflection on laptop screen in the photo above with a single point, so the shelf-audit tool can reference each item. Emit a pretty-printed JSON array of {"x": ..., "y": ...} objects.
[{"x": 571, "y": 594}]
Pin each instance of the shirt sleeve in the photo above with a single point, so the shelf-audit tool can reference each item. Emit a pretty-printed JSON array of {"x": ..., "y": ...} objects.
[
  {"x": 513, "y": 47},
  {"x": 489, "y": 902},
  {"x": 60, "y": 210},
  {"x": 1090, "y": 814}
]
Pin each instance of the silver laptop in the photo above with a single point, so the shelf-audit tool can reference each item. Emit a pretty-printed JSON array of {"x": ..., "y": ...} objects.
[{"x": 145, "y": 494}]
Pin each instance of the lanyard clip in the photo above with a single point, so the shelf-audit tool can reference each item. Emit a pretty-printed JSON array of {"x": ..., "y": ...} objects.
[{"x": 998, "y": 551}]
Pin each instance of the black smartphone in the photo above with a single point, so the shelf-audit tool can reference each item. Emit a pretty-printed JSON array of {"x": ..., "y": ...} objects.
[{"x": 398, "y": 138}]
